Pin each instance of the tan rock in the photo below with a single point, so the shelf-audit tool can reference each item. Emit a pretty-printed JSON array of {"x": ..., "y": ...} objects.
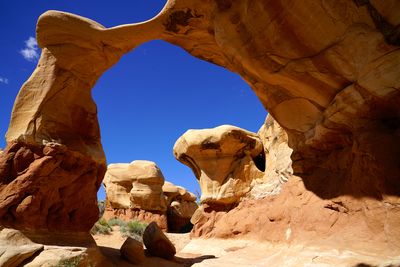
[
  {"x": 278, "y": 164},
  {"x": 222, "y": 160},
  {"x": 157, "y": 243},
  {"x": 13, "y": 256},
  {"x": 132, "y": 250},
  {"x": 135, "y": 185},
  {"x": 181, "y": 206},
  {"x": 41, "y": 249}
]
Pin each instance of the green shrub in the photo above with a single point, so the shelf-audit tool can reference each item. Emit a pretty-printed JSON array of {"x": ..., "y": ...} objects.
[
  {"x": 116, "y": 221},
  {"x": 134, "y": 229},
  {"x": 70, "y": 262},
  {"x": 101, "y": 227}
]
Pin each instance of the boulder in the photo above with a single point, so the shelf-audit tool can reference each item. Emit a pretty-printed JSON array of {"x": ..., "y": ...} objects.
[
  {"x": 132, "y": 250},
  {"x": 223, "y": 160},
  {"x": 156, "y": 242},
  {"x": 14, "y": 256},
  {"x": 38, "y": 249}
]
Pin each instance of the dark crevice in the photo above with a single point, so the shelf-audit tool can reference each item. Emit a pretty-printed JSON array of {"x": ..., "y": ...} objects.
[
  {"x": 259, "y": 161},
  {"x": 390, "y": 32}
]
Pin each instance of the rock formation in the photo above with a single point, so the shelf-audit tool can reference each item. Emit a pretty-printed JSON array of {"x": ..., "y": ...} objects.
[
  {"x": 273, "y": 169},
  {"x": 134, "y": 191},
  {"x": 278, "y": 165},
  {"x": 327, "y": 72},
  {"x": 181, "y": 207},
  {"x": 222, "y": 160}
]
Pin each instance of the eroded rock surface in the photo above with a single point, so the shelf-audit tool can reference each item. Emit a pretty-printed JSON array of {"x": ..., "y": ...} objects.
[
  {"x": 134, "y": 191},
  {"x": 181, "y": 207},
  {"x": 137, "y": 191},
  {"x": 135, "y": 185},
  {"x": 48, "y": 188},
  {"x": 222, "y": 159},
  {"x": 278, "y": 164},
  {"x": 327, "y": 72}
]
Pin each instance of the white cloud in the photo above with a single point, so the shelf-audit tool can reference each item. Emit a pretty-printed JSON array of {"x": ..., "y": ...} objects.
[
  {"x": 3, "y": 80},
  {"x": 30, "y": 52}
]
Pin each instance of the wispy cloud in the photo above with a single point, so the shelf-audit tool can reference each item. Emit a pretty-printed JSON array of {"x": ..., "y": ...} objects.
[
  {"x": 30, "y": 52},
  {"x": 3, "y": 80}
]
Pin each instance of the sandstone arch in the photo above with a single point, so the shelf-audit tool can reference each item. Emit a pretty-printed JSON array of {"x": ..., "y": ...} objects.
[{"x": 334, "y": 87}]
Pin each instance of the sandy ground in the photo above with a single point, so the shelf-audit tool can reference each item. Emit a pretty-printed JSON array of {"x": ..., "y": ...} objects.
[{"x": 236, "y": 252}]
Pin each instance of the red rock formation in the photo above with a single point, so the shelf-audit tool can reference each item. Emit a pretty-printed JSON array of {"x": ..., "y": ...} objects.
[
  {"x": 137, "y": 215},
  {"x": 329, "y": 74},
  {"x": 48, "y": 187}
]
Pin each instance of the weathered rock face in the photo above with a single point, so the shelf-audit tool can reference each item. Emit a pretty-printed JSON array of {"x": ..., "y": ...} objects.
[
  {"x": 278, "y": 165},
  {"x": 327, "y": 72},
  {"x": 48, "y": 188},
  {"x": 137, "y": 191},
  {"x": 134, "y": 191},
  {"x": 222, "y": 160},
  {"x": 181, "y": 206},
  {"x": 135, "y": 185}
]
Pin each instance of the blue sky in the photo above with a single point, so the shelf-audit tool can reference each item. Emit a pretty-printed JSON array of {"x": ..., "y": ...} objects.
[{"x": 147, "y": 100}]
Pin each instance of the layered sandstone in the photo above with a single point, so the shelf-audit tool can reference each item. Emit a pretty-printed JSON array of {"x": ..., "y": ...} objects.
[
  {"x": 222, "y": 159},
  {"x": 134, "y": 191},
  {"x": 137, "y": 191},
  {"x": 327, "y": 72}
]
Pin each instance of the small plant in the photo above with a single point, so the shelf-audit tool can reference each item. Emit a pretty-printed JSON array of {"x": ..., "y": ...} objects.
[
  {"x": 101, "y": 227},
  {"x": 116, "y": 221},
  {"x": 134, "y": 229},
  {"x": 70, "y": 262}
]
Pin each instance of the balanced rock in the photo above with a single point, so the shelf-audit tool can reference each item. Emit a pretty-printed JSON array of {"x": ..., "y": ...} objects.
[
  {"x": 222, "y": 159},
  {"x": 181, "y": 206},
  {"x": 157, "y": 244},
  {"x": 132, "y": 250}
]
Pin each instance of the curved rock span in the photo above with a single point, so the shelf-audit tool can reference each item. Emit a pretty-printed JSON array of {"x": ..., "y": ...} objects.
[{"x": 327, "y": 72}]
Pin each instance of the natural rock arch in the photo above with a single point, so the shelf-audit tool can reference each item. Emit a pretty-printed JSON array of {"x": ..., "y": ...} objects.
[{"x": 334, "y": 88}]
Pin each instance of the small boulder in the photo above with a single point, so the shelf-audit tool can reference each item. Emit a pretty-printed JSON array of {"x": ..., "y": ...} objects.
[
  {"x": 132, "y": 250},
  {"x": 157, "y": 243}
]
